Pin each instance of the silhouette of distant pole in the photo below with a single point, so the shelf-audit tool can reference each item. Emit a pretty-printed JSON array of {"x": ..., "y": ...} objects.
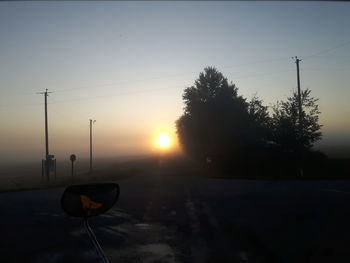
[
  {"x": 91, "y": 122},
  {"x": 72, "y": 158},
  {"x": 46, "y": 135}
]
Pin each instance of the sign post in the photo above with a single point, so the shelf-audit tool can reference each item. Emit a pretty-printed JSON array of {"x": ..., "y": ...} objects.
[
  {"x": 48, "y": 166},
  {"x": 72, "y": 159}
]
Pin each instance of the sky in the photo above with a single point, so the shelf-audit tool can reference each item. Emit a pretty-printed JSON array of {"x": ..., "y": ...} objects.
[{"x": 126, "y": 64}]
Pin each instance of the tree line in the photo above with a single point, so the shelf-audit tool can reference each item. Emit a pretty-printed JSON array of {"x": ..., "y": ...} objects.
[{"x": 220, "y": 128}]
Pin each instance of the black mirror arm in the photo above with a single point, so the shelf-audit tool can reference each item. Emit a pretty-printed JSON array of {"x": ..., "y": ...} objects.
[{"x": 101, "y": 255}]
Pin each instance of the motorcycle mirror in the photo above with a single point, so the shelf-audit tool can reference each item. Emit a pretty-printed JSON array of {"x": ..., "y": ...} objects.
[{"x": 87, "y": 200}]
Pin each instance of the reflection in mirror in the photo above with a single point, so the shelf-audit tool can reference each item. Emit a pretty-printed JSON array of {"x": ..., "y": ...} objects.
[{"x": 87, "y": 200}]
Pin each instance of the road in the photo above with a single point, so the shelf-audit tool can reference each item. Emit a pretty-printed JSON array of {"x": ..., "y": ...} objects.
[{"x": 163, "y": 217}]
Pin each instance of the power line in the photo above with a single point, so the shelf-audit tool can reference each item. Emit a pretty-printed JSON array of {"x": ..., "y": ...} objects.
[
  {"x": 191, "y": 72},
  {"x": 147, "y": 90},
  {"x": 116, "y": 95},
  {"x": 54, "y": 101},
  {"x": 171, "y": 76},
  {"x": 327, "y": 50},
  {"x": 264, "y": 74},
  {"x": 186, "y": 73},
  {"x": 123, "y": 82},
  {"x": 160, "y": 89},
  {"x": 257, "y": 62}
]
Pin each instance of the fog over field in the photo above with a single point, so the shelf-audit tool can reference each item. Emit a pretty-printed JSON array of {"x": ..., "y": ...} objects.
[{"x": 127, "y": 64}]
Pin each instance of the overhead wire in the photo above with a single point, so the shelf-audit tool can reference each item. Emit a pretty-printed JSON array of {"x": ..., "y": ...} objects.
[
  {"x": 113, "y": 95},
  {"x": 160, "y": 89},
  {"x": 170, "y": 76},
  {"x": 327, "y": 50},
  {"x": 186, "y": 73}
]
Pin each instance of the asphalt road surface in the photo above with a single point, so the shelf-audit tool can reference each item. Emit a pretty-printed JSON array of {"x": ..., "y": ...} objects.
[{"x": 164, "y": 217}]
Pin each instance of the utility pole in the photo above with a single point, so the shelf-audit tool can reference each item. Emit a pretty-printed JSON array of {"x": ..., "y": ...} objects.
[
  {"x": 91, "y": 122},
  {"x": 299, "y": 96},
  {"x": 45, "y": 93},
  {"x": 301, "y": 171}
]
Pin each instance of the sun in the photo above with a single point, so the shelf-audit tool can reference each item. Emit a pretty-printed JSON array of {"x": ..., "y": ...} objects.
[{"x": 163, "y": 140}]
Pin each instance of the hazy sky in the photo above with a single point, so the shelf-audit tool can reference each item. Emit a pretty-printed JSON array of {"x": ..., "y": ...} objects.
[{"x": 126, "y": 64}]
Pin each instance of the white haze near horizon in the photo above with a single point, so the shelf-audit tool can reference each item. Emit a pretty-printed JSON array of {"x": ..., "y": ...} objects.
[{"x": 126, "y": 64}]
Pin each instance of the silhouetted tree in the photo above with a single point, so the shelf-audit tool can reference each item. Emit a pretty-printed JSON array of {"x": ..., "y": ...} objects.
[
  {"x": 261, "y": 121},
  {"x": 244, "y": 135},
  {"x": 217, "y": 122},
  {"x": 287, "y": 132}
]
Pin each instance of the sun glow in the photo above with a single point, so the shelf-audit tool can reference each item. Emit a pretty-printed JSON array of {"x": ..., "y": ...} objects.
[{"x": 163, "y": 140}]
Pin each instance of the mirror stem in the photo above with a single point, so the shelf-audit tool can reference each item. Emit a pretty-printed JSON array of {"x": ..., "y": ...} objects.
[{"x": 95, "y": 243}]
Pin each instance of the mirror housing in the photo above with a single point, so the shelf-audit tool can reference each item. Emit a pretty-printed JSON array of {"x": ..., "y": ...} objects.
[{"x": 87, "y": 200}]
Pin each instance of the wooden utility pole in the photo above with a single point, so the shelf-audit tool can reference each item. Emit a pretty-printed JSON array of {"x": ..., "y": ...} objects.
[
  {"x": 47, "y": 170},
  {"x": 299, "y": 97},
  {"x": 300, "y": 110}
]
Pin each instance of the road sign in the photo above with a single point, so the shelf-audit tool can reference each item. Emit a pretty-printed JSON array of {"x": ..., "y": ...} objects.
[{"x": 73, "y": 157}]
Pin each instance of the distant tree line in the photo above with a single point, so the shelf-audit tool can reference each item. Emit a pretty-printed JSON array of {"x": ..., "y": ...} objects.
[{"x": 222, "y": 129}]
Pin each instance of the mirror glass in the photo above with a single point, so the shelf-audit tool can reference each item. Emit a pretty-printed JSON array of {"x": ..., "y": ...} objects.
[{"x": 86, "y": 200}]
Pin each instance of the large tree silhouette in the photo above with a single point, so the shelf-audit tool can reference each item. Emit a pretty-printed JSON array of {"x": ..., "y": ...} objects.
[{"x": 218, "y": 123}]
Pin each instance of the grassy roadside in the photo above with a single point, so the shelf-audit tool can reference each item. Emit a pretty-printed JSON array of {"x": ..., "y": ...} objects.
[
  {"x": 336, "y": 169},
  {"x": 111, "y": 172}
]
